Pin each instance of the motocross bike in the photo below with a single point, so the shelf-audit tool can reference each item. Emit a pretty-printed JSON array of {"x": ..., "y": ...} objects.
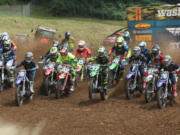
[
  {"x": 22, "y": 87},
  {"x": 63, "y": 80},
  {"x": 134, "y": 81},
  {"x": 164, "y": 89},
  {"x": 49, "y": 79},
  {"x": 150, "y": 83},
  {"x": 96, "y": 84},
  {"x": 115, "y": 68}
]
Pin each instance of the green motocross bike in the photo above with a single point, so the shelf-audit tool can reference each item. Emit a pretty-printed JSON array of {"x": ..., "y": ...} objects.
[
  {"x": 117, "y": 64},
  {"x": 96, "y": 83}
]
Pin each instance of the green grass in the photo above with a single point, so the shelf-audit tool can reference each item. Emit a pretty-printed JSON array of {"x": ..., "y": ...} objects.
[{"x": 91, "y": 30}]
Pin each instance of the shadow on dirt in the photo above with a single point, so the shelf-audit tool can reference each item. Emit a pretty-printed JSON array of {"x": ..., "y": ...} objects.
[{"x": 90, "y": 102}]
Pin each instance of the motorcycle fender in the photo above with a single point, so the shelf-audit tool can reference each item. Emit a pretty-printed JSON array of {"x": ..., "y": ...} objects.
[
  {"x": 19, "y": 80},
  {"x": 130, "y": 74},
  {"x": 92, "y": 74},
  {"x": 160, "y": 83},
  {"x": 62, "y": 76},
  {"x": 112, "y": 66},
  {"x": 48, "y": 72}
]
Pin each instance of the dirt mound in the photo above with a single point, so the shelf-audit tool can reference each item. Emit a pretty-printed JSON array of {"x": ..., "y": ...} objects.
[{"x": 76, "y": 114}]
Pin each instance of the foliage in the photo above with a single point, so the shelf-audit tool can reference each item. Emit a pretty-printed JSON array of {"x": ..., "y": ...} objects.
[{"x": 103, "y": 9}]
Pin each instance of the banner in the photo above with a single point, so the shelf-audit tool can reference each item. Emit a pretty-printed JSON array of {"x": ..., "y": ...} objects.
[{"x": 159, "y": 25}]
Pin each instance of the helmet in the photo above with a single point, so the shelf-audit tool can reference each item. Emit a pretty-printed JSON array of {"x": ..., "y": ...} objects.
[
  {"x": 5, "y": 38},
  {"x": 142, "y": 44},
  {"x": 28, "y": 57},
  {"x": 7, "y": 44},
  {"x": 136, "y": 51},
  {"x": 56, "y": 43},
  {"x": 155, "y": 50},
  {"x": 81, "y": 45},
  {"x": 126, "y": 34},
  {"x": 67, "y": 34},
  {"x": 101, "y": 51},
  {"x": 63, "y": 52},
  {"x": 120, "y": 41},
  {"x": 167, "y": 60},
  {"x": 53, "y": 51}
]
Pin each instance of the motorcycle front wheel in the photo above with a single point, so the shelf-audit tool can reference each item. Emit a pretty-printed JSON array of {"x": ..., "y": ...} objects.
[
  {"x": 59, "y": 88},
  {"x": 90, "y": 89},
  {"x": 129, "y": 90},
  {"x": 19, "y": 98},
  {"x": 148, "y": 94},
  {"x": 111, "y": 78},
  {"x": 46, "y": 86},
  {"x": 161, "y": 99},
  {"x": 104, "y": 95}
]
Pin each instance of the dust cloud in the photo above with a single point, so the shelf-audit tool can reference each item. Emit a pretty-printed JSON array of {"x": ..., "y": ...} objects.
[{"x": 8, "y": 128}]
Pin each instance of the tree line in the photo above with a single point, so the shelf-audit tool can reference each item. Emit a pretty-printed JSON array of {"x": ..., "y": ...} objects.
[{"x": 103, "y": 9}]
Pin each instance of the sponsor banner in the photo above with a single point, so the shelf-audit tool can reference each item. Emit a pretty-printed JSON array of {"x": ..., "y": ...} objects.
[
  {"x": 139, "y": 32},
  {"x": 162, "y": 32},
  {"x": 153, "y": 13}
]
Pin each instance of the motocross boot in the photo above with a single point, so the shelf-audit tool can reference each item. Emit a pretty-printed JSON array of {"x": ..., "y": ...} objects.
[
  {"x": 72, "y": 84},
  {"x": 31, "y": 87}
]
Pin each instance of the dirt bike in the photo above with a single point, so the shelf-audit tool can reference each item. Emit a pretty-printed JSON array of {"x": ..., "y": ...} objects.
[
  {"x": 81, "y": 70},
  {"x": 63, "y": 80},
  {"x": 49, "y": 80},
  {"x": 134, "y": 81},
  {"x": 115, "y": 67},
  {"x": 150, "y": 86},
  {"x": 96, "y": 84},
  {"x": 164, "y": 89},
  {"x": 22, "y": 87}
]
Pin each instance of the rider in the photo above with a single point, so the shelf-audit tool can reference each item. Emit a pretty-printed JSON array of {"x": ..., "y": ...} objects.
[
  {"x": 55, "y": 44},
  {"x": 138, "y": 57},
  {"x": 144, "y": 50},
  {"x": 69, "y": 40},
  {"x": 68, "y": 58},
  {"x": 103, "y": 59},
  {"x": 126, "y": 36},
  {"x": 120, "y": 49},
  {"x": 30, "y": 67},
  {"x": 10, "y": 58},
  {"x": 173, "y": 69},
  {"x": 53, "y": 54},
  {"x": 83, "y": 50},
  {"x": 156, "y": 57}
]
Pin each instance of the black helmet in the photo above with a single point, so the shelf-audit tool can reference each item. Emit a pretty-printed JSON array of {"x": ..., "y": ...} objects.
[
  {"x": 67, "y": 34},
  {"x": 155, "y": 50}
]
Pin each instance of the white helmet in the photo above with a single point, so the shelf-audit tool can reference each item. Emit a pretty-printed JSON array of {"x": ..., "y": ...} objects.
[{"x": 81, "y": 45}]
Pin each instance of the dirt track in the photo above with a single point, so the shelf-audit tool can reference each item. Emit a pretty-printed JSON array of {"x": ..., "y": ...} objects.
[{"x": 78, "y": 116}]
